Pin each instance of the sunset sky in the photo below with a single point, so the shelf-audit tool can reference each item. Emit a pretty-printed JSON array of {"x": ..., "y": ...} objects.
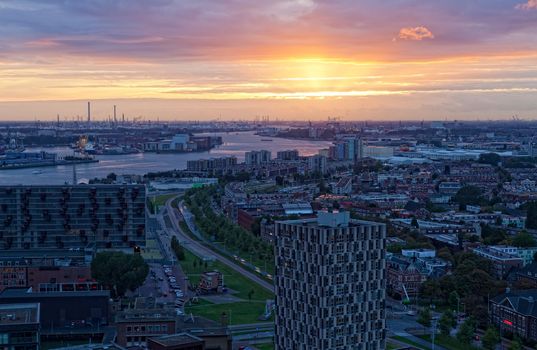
[{"x": 302, "y": 59}]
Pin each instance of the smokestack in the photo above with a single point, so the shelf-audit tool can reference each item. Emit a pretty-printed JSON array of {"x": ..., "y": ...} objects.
[
  {"x": 89, "y": 112},
  {"x": 115, "y": 119}
]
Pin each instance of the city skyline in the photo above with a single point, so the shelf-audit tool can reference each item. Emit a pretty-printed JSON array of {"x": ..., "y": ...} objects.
[{"x": 292, "y": 60}]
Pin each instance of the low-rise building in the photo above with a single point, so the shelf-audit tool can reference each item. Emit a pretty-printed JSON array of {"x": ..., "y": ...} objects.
[
  {"x": 19, "y": 326},
  {"x": 343, "y": 186},
  {"x": 503, "y": 259},
  {"x": 136, "y": 326},
  {"x": 515, "y": 312}
]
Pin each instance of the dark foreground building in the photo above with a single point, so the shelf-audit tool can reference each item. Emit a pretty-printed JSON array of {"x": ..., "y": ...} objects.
[
  {"x": 19, "y": 326},
  {"x": 72, "y": 310}
]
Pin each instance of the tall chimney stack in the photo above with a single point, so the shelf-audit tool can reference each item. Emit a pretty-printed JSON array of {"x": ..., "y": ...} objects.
[
  {"x": 115, "y": 119},
  {"x": 89, "y": 112}
]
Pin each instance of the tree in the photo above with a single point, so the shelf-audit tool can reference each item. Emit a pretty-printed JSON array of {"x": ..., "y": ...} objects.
[
  {"x": 524, "y": 240},
  {"x": 250, "y": 294},
  {"x": 466, "y": 331},
  {"x": 491, "y": 338},
  {"x": 516, "y": 344},
  {"x": 531, "y": 215},
  {"x": 445, "y": 254},
  {"x": 414, "y": 223},
  {"x": 454, "y": 300},
  {"x": 489, "y": 158},
  {"x": 468, "y": 195},
  {"x": 424, "y": 317},
  {"x": 446, "y": 323},
  {"x": 119, "y": 271},
  {"x": 177, "y": 249}
]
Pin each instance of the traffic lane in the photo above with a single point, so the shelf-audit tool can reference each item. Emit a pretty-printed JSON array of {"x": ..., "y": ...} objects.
[{"x": 209, "y": 252}]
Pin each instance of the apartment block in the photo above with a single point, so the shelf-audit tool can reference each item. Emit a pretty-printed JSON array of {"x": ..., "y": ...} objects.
[
  {"x": 65, "y": 217},
  {"x": 330, "y": 283}
]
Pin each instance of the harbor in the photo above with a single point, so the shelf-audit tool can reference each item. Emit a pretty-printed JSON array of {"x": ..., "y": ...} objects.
[{"x": 24, "y": 160}]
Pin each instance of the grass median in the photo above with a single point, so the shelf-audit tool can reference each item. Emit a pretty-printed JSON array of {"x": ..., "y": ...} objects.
[{"x": 240, "y": 312}]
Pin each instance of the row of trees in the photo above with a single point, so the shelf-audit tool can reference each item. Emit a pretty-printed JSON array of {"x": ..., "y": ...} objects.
[
  {"x": 177, "y": 249},
  {"x": 220, "y": 228}
]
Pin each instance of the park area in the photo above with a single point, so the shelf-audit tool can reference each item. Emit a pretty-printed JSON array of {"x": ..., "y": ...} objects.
[{"x": 243, "y": 302}]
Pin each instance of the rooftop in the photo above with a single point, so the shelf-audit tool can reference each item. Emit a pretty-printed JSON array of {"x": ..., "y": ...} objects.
[
  {"x": 176, "y": 339},
  {"x": 27, "y": 293},
  {"x": 16, "y": 314}
]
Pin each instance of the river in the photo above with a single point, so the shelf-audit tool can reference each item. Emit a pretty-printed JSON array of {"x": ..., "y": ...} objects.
[{"x": 234, "y": 144}]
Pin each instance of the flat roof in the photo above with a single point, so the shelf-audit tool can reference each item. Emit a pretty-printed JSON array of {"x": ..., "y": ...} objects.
[
  {"x": 313, "y": 222},
  {"x": 14, "y": 314},
  {"x": 25, "y": 293},
  {"x": 176, "y": 339}
]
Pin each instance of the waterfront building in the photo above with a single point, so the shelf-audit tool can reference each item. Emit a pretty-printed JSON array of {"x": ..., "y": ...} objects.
[
  {"x": 257, "y": 157},
  {"x": 216, "y": 165},
  {"x": 288, "y": 155},
  {"x": 72, "y": 217},
  {"x": 330, "y": 283}
]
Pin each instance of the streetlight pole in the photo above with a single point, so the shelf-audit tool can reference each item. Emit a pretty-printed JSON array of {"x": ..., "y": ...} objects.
[{"x": 434, "y": 333}]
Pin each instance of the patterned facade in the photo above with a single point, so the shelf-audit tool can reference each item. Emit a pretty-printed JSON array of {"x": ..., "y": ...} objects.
[
  {"x": 330, "y": 283},
  {"x": 64, "y": 217}
]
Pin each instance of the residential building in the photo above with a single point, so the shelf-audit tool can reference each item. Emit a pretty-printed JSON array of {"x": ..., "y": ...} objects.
[
  {"x": 515, "y": 312},
  {"x": 343, "y": 186},
  {"x": 330, "y": 283},
  {"x": 404, "y": 276},
  {"x": 66, "y": 216},
  {"x": 287, "y": 156},
  {"x": 503, "y": 259},
  {"x": 136, "y": 326},
  {"x": 317, "y": 164},
  {"x": 257, "y": 157},
  {"x": 19, "y": 326},
  {"x": 215, "y": 165}
]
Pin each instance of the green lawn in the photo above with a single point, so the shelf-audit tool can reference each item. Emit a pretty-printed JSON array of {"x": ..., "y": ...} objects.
[
  {"x": 448, "y": 342},
  {"x": 160, "y": 200},
  {"x": 194, "y": 267},
  {"x": 238, "y": 313},
  {"x": 267, "y": 346},
  {"x": 151, "y": 250},
  {"x": 410, "y": 342}
]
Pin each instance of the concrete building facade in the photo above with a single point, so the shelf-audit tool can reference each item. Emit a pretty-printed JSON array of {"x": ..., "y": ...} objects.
[
  {"x": 64, "y": 217},
  {"x": 330, "y": 283}
]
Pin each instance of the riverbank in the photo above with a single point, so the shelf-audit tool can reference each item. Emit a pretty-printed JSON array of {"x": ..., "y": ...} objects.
[{"x": 47, "y": 164}]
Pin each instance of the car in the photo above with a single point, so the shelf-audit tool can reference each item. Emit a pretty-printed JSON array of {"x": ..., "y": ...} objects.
[
  {"x": 179, "y": 312},
  {"x": 161, "y": 279}
]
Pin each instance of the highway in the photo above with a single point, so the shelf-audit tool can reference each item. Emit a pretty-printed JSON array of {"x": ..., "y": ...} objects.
[{"x": 202, "y": 251}]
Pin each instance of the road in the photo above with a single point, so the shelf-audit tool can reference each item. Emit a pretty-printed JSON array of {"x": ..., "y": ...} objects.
[{"x": 202, "y": 251}]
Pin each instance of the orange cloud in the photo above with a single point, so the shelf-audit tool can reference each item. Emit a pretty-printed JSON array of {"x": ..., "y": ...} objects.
[
  {"x": 415, "y": 33},
  {"x": 530, "y": 5}
]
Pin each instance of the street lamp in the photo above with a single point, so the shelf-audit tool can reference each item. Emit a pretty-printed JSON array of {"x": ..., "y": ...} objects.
[{"x": 435, "y": 320}]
